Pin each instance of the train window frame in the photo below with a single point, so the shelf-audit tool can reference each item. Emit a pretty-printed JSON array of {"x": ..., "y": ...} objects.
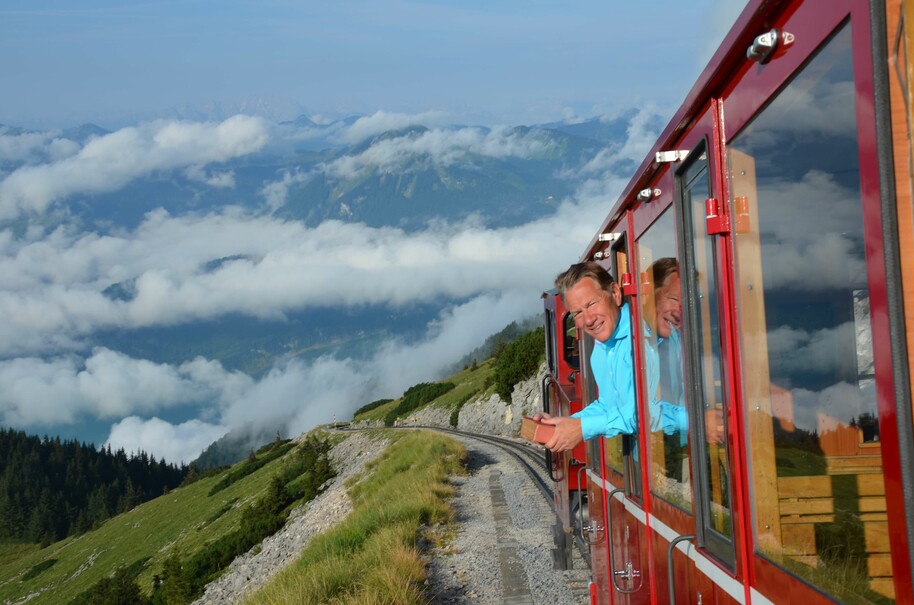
[
  {"x": 666, "y": 219},
  {"x": 631, "y": 444},
  {"x": 722, "y": 547},
  {"x": 551, "y": 328},
  {"x": 571, "y": 353}
]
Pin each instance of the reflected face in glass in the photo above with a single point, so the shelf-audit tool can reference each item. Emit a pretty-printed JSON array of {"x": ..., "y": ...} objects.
[
  {"x": 668, "y": 306},
  {"x": 594, "y": 310}
]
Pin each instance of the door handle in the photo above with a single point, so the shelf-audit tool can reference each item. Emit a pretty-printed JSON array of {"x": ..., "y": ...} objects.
[
  {"x": 669, "y": 565},
  {"x": 629, "y": 572}
]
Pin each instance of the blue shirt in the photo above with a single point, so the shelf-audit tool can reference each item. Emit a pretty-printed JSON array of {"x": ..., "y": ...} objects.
[
  {"x": 613, "y": 411},
  {"x": 664, "y": 366}
]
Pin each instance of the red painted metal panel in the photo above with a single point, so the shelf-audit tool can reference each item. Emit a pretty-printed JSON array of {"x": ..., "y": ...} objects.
[{"x": 875, "y": 263}]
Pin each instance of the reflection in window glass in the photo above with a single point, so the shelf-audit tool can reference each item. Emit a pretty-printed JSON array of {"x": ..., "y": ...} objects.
[
  {"x": 659, "y": 301},
  {"x": 550, "y": 342},
  {"x": 572, "y": 357},
  {"x": 816, "y": 470}
]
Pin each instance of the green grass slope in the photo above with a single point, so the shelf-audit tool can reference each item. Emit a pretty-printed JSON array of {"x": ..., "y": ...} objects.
[
  {"x": 181, "y": 522},
  {"x": 473, "y": 382}
]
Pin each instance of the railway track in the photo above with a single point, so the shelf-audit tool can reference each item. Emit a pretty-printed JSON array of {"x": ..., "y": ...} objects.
[{"x": 532, "y": 461}]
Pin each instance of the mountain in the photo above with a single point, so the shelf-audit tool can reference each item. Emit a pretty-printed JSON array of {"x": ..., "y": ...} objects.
[
  {"x": 271, "y": 108},
  {"x": 417, "y": 186},
  {"x": 609, "y": 130},
  {"x": 403, "y": 178},
  {"x": 82, "y": 133}
]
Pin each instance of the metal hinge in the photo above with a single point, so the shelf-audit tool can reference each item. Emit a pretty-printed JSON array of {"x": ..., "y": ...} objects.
[
  {"x": 628, "y": 288},
  {"x": 717, "y": 222},
  {"x": 677, "y": 155}
]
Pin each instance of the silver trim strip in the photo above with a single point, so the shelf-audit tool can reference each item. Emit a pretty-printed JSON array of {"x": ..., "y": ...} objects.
[{"x": 730, "y": 585}]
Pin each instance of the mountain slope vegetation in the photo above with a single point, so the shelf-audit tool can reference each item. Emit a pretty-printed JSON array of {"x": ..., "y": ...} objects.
[
  {"x": 200, "y": 527},
  {"x": 51, "y": 489},
  {"x": 167, "y": 549}
]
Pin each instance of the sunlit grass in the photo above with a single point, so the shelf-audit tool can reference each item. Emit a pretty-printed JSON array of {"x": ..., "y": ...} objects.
[
  {"x": 180, "y": 522},
  {"x": 371, "y": 557},
  {"x": 469, "y": 382}
]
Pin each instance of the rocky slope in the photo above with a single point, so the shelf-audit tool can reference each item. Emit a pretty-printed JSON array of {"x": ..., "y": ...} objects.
[{"x": 490, "y": 415}]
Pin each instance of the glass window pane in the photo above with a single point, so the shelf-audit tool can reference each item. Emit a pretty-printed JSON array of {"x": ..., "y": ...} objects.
[
  {"x": 817, "y": 484},
  {"x": 572, "y": 357},
  {"x": 705, "y": 332},
  {"x": 659, "y": 301}
]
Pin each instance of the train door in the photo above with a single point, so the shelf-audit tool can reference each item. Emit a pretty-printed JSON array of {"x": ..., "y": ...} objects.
[
  {"x": 666, "y": 435},
  {"x": 684, "y": 385},
  {"x": 715, "y": 572},
  {"x": 561, "y": 398},
  {"x": 624, "y": 550},
  {"x": 826, "y": 510}
]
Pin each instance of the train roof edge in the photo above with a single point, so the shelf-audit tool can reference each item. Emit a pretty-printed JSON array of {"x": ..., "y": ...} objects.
[{"x": 729, "y": 54}]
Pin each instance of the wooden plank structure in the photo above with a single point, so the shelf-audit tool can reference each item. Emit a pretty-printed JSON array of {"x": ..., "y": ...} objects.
[{"x": 853, "y": 484}]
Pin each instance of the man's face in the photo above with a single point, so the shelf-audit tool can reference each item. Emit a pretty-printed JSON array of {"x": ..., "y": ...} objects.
[
  {"x": 668, "y": 306},
  {"x": 594, "y": 311}
]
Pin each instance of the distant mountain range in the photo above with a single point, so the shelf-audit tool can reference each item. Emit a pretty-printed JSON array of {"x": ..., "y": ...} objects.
[{"x": 404, "y": 177}]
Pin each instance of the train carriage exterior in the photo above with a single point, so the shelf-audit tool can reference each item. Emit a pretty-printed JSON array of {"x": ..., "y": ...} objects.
[{"x": 781, "y": 192}]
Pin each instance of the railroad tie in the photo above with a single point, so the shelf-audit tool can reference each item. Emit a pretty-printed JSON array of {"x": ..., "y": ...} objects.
[{"x": 515, "y": 590}]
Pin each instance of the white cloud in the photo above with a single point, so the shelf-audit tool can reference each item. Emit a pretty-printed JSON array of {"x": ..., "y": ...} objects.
[
  {"x": 66, "y": 389},
  {"x": 276, "y": 193},
  {"x": 177, "y": 443},
  {"x": 219, "y": 180},
  {"x": 382, "y": 121},
  {"x": 640, "y": 137},
  {"x": 294, "y": 395},
  {"x": 32, "y": 147},
  {"x": 109, "y": 162},
  {"x": 55, "y": 284}
]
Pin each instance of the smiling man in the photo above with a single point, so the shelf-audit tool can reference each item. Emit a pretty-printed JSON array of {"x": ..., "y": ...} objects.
[{"x": 595, "y": 301}]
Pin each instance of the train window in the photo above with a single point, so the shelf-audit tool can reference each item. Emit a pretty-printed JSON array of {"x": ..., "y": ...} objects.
[
  {"x": 612, "y": 448},
  {"x": 818, "y": 492},
  {"x": 572, "y": 356},
  {"x": 703, "y": 352},
  {"x": 551, "y": 360},
  {"x": 659, "y": 300}
]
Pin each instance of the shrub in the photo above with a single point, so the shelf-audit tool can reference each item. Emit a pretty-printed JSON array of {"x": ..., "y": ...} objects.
[
  {"x": 455, "y": 413},
  {"x": 416, "y": 396},
  {"x": 370, "y": 406},
  {"x": 518, "y": 361}
]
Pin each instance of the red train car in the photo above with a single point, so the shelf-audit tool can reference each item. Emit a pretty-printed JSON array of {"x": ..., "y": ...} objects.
[
  {"x": 781, "y": 194},
  {"x": 561, "y": 397}
]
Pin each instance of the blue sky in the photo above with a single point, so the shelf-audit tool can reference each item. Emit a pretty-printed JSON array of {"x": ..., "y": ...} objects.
[{"x": 494, "y": 62}]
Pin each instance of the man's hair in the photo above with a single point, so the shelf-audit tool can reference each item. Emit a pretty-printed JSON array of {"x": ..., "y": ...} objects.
[
  {"x": 575, "y": 273},
  {"x": 662, "y": 269}
]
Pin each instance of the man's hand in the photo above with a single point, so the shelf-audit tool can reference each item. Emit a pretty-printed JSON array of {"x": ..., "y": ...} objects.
[
  {"x": 714, "y": 426},
  {"x": 567, "y": 432}
]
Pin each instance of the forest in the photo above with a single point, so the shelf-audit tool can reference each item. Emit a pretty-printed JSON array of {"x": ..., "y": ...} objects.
[{"x": 51, "y": 489}]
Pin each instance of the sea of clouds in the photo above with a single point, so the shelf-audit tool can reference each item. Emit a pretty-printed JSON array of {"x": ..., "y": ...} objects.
[{"x": 53, "y": 300}]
